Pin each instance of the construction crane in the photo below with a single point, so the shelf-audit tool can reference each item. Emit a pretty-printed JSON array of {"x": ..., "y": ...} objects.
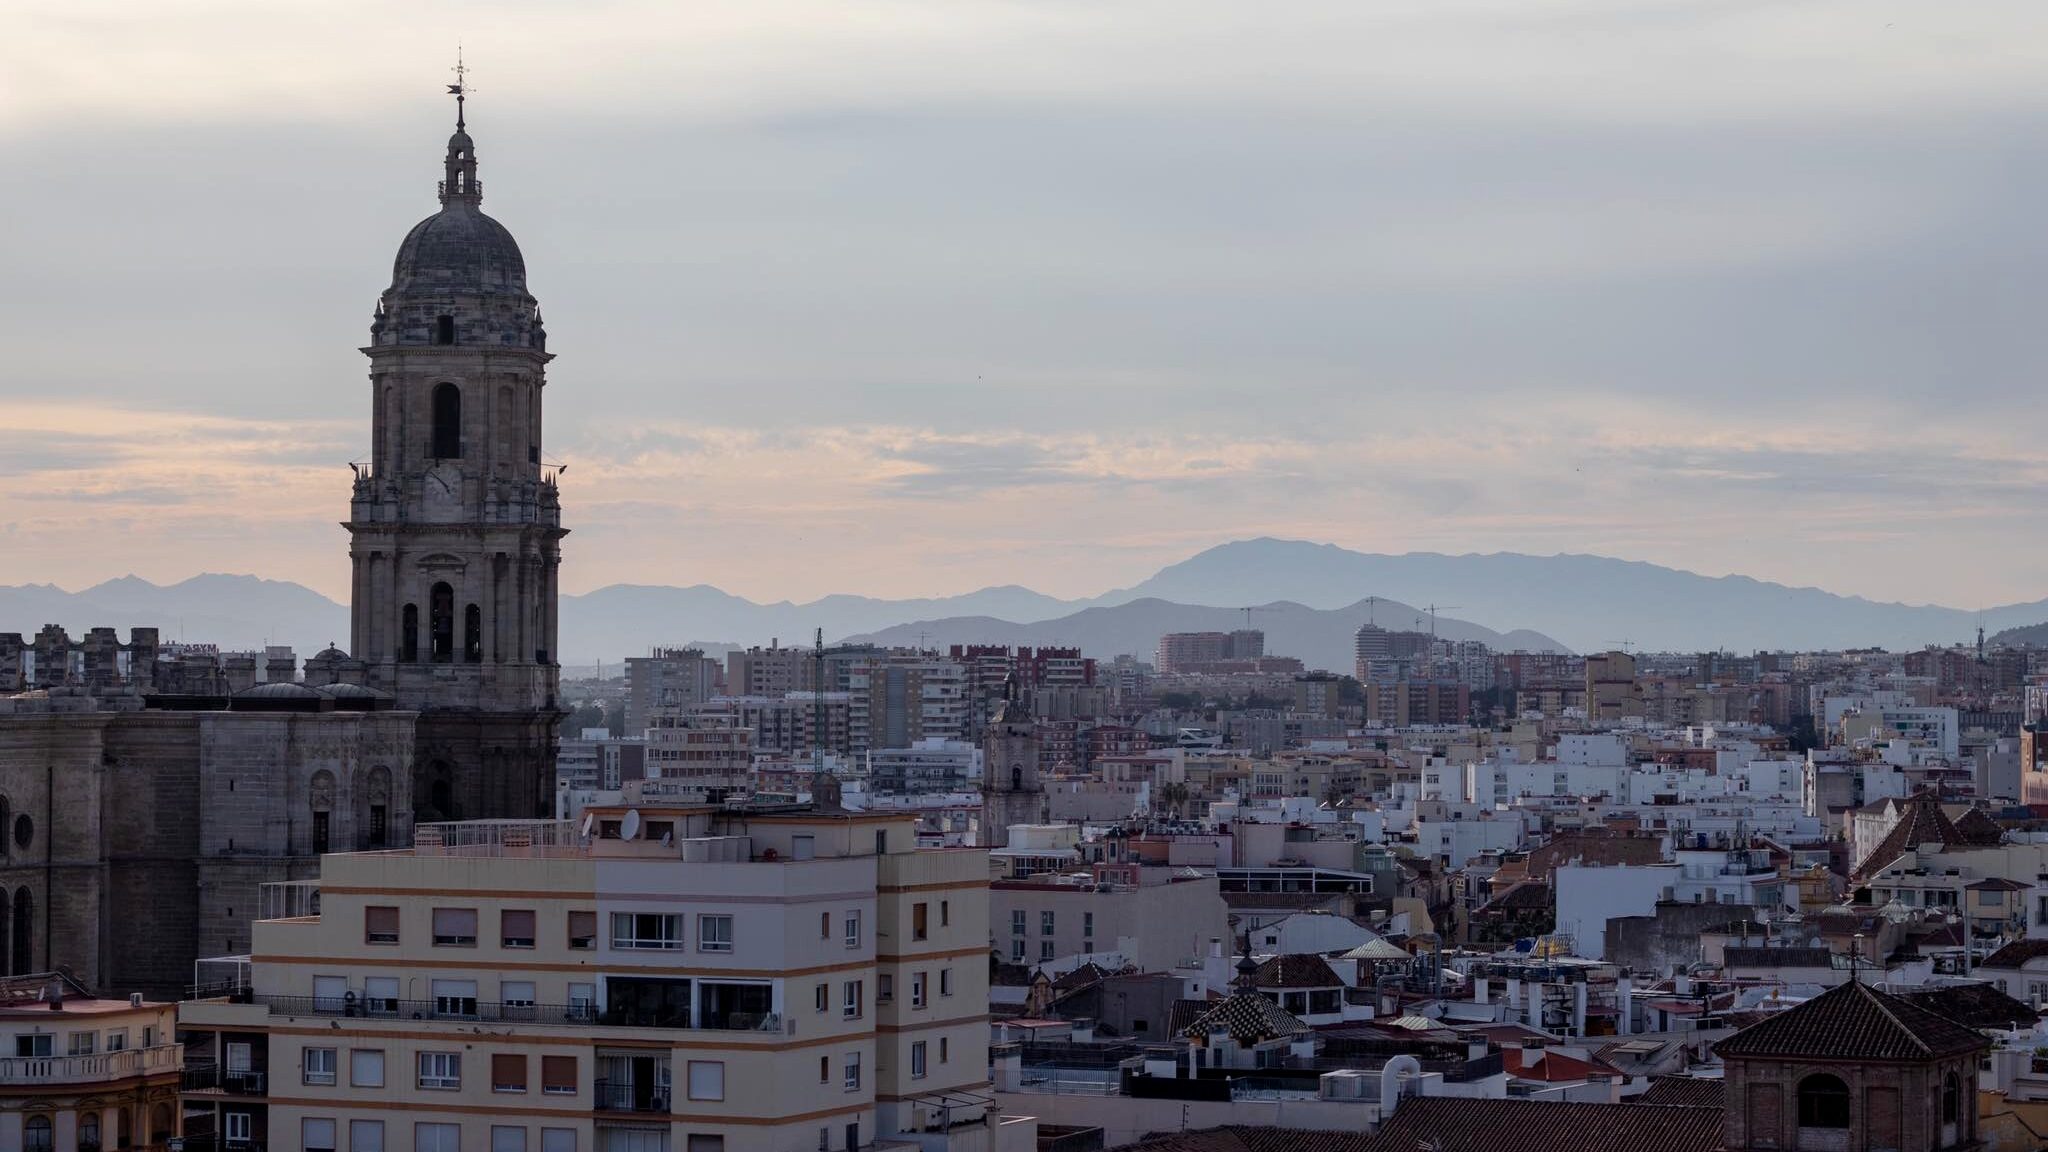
[
  {"x": 1433, "y": 610},
  {"x": 1623, "y": 644},
  {"x": 1248, "y": 615},
  {"x": 818, "y": 705}
]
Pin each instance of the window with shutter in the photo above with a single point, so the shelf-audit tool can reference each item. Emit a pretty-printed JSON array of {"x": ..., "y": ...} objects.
[
  {"x": 505, "y": 1138},
  {"x": 508, "y": 1072},
  {"x": 707, "y": 1080},
  {"x": 316, "y": 1134},
  {"x": 515, "y": 928},
  {"x": 454, "y": 927},
  {"x": 558, "y": 1075},
  {"x": 366, "y": 1136},
  {"x": 582, "y": 930},
  {"x": 366, "y": 1067},
  {"x": 380, "y": 925}
]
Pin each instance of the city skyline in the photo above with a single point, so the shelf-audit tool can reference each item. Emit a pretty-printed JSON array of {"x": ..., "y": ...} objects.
[{"x": 1732, "y": 290}]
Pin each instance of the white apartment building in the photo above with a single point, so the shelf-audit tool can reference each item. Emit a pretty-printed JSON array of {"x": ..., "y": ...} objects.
[
  {"x": 82, "y": 1072},
  {"x": 659, "y": 979}
]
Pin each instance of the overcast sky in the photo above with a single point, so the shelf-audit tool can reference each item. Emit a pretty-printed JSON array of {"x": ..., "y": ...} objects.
[{"x": 908, "y": 298}]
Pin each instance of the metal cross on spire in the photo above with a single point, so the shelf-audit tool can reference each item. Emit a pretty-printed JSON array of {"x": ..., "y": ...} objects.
[{"x": 460, "y": 89}]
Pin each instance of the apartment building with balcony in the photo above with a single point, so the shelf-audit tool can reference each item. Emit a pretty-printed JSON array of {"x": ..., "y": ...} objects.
[
  {"x": 79, "y": 1073},
  {"x": 652, "y": 979}
]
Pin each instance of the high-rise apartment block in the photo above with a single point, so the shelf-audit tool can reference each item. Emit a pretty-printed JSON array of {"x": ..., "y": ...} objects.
[
  {"x": 1189, "y": 651},
  {"x": 659, "y": 979},
  {"x": 668, "y": 678}
]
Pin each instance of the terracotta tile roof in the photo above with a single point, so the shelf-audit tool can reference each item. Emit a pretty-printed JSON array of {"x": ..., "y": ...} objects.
[
  {"x": 1184, "y": 1013},
  {"x": 1529, "y": 895},
  {"x": 1979, "y": 829},
  {"x": 1922, "y": 821},
  {"x": 1245, "y": 1138},
  {"x": 1973, "y": 1005},
  {"x": 1086, "y": 976},
  {"x": 1296, "y": 970},
  {"x": 1249, "y": 1018},
  {"x": 1752, "y": 957},
  {"x": 1591, "y": 847},
  {"x": 1546, "y": 1066},
  {"x": 2016, "y": 954},
  {"x": 1997, "y": 884},
  {"x": 1688, "y": 1091},
  {"x": 1853, "y": 1022},
  {"x": 1449, "y": 1124}
]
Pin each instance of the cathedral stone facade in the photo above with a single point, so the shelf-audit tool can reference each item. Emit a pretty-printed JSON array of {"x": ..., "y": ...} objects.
[{"x": 455, "y": 526}]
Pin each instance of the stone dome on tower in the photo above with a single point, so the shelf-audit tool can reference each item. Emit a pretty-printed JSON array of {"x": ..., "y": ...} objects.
[{"x": 459, "y": 278}]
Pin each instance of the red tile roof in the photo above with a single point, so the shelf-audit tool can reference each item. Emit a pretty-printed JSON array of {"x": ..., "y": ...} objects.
[
  {"x": 1246, "y": 1138},
  {"x": 1550, "y": 1067},
  {"x": 1691, "y": 1091},
  {"x": 2016, "y": 954},
  {"x": 1450, "y": 1124},
  {"x": 1296, "y": 970}
]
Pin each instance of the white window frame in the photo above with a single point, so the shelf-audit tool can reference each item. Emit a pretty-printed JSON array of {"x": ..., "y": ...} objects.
[
  {"x": 667, "y": 938},
  {"x": 917, "y": 989},
  {"x": 319, "y": 1077},
  {"x": 714, "y": 932},
  {"x": 919, "y": 1068},
  {"x": 438, "y": 1071},
  {"x": 850, "y": 1079},
  {"x": 853, "y": 997},
  {"x": 853, "y": 928}
]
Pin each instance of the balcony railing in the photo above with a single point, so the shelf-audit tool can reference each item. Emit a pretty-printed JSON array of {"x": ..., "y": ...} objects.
[
  {"x": 492, "y": 1012},
  {"x": 613, "y": 1096},
  {"x": 211, "y": 1077},
  {"x": 88, "y": 1069}
]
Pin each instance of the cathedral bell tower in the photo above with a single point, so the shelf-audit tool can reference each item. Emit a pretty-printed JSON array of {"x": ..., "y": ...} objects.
[
  {"x": 1010, "y": 789},
  {"x": 455, "y": 525}
]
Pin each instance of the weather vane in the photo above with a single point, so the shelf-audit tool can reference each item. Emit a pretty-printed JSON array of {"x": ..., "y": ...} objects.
[{"x": 460, "y": 89}]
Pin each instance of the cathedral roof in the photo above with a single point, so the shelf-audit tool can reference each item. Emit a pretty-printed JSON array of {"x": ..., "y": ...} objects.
[
  {"x": 1854, "y": 1021},
  {"x": 459, "y": 250}
]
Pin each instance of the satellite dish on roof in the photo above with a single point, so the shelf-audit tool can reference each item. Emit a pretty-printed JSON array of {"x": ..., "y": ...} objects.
[
  {"x": 589, "y": 819},
  {"x": 629, "y": 828}
]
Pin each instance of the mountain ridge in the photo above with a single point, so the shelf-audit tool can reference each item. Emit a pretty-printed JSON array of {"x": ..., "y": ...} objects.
[{"x": 1576, "y": 600}]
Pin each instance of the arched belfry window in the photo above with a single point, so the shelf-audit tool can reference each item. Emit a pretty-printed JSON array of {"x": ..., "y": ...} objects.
[
  {"x": 1823, "y": 1102},
  {"x": 1951, "y": 1099},
  {"x": 441, "y": 622},
  {"x": 444, "y": 329},
  {"x": 473, "y": 634},
  {"x": 447, "y": 422},
  {"x": 409, "y": 634}
]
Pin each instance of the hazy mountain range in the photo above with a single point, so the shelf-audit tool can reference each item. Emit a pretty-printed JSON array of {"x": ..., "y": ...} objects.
[{"x": 1308, "y": 598}]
